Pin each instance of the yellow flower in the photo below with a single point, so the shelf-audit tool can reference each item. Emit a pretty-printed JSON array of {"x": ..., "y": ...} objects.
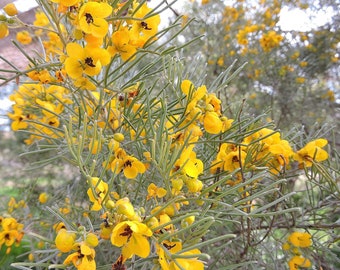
[
  {"x": 10, "y": 9},
  {"x": 3, "y": 30},
  {"x": 188, "y": 163},
  {"x": 130, "y": 166},
  {"x": 143, "y": 29},
  {"x": 66, "y": 3},
  {"x": 85, "y": 60},
  {"x": 312, "y": 152},
  {"x": 91, "y": 18},
  {"x": 212, "y": 123},
  {"x": 101, "y": 189},
  {"x": 132, "y": 237},
  {"x": 95, "y": 146},
  {"x": 121, "y": 44},
  {"x": 124, "y": 207},
  {"x": 83, "y": 258},
  {"x": 65, "y": 240},
  {"x": 91, "y": 240},
  {"x": 58, "y": 226},
  {"x": 270, "y": 40},
  {"x": 187, "y": 86},
  {"x": 194, "y": 185},
  {"x": 300, "y": 80},
  {"x": 154, "y": 191},
  {"x": 43, "y": 197},
  {"x": 300, "y": 239},
  {"x": 220, "y": 61},
  {"x": 84, "y": 84},
  {"x": 298, "y": 261},
  {"x": 41, "y": 19},
  {"x": 8, "y": 237},
  {"x": 163, "y": 257},
  {"x": 11, "y": 232},
  {"x": 190, "y": 262},
  {"x": 303, "y": 63},
  {"x": 24, "y": 37},
  {"x": 233, "y": 160},
  {"x": 18, "y": 119},
  {"x": 286, "y": 246}
]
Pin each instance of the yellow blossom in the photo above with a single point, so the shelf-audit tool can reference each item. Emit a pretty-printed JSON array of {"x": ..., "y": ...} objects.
[
  {"x": 91, "y": 18},
  {"x": 43, "y": 197},
  {"x": 300, "y": 80},
  {"x": 154, "y": 191},
  {"x": 298, "y": 261},
  {"x": 85, "y": 60},
  {"x": 101, "y": 189},
  {"x": 187, "y": 86},
  {"x": 3, "y": 30},
  {"x": 212, "y": 123},
  {"x": 124, "y": 207},
  {"x": 41, "y": 19},
  {"x": 65, "y": 240},
  {"x": 83, "y": 258},
  {"x": 270, "y": 40},
  {"x": 312, "y": 152},
  {"x": 143, "y": 28},
  {"x": 132, "y": 236},
  {"x": 24, "y": 37},
  {"x": 130, "y": 166},
  {"x": 121, "y": 44},
  {"x": 300, "y": 239},
  {"x": 66, "y": 3}
]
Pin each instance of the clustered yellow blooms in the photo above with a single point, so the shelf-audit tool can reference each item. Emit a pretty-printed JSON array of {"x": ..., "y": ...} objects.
[
  {"x": 81, "y": 59},
  {"x": 270, "y": 40},
  {"x": 124, "y": 227},
  {"x": 205, "y": 108},
  {"x": 37, "y": 108},
  {"x": 265, "y": 144},
  {"x": 11, "y": 232},
  {"x": 83, "y": 248},
  {"x": 167, "y": 248},
  {"x": 296, "y": 243}
]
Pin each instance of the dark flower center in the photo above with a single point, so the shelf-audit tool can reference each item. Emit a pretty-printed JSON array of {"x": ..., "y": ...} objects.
[
  {"x": 127, "y": 232},
  {"x": 145, "y": 26},
  {"x": 89, "y": 18},
  {"x": 89, "y": 62}
]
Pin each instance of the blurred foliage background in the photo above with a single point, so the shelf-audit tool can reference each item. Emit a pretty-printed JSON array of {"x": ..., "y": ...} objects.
[{"x": 292, "y": 72}]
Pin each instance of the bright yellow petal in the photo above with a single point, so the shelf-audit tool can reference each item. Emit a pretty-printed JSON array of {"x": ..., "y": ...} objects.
[{"x": 138, "y": 245}]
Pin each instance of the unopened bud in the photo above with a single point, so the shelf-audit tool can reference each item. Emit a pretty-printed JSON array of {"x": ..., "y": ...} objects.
[{"x": 11, "y": 9}]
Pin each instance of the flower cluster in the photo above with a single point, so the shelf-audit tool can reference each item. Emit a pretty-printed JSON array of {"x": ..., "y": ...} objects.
[
  {"x": 37, "y": 108},
  {"x": 84, "y": 253},
  {"x": 264, "y": 145},
  {"x": 296, "y": 243},
  {"x": 11, "y": 232},
  {"x": 270, "y": 40}
]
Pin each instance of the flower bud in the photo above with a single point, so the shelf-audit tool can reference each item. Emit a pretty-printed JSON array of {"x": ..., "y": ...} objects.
[
  {"x": 3, "y": 30},
  {"x": 65, "y": 240},
  {"x": 119, "y": 137},
  {"x": 11, "y": 9}
]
